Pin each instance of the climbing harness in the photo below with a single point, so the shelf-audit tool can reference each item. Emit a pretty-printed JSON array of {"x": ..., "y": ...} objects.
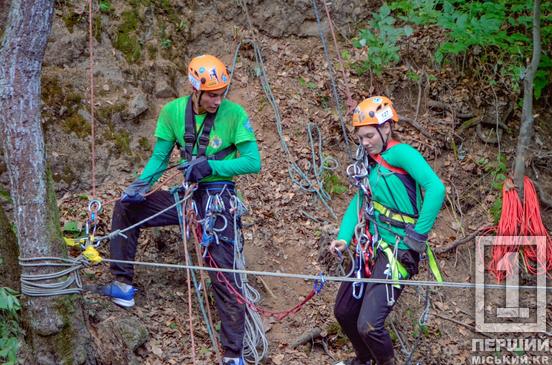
[{"x": 358, "y": 173}]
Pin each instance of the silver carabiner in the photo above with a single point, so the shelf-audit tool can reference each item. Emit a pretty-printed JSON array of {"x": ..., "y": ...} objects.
[{"x": 358, "y": 287}]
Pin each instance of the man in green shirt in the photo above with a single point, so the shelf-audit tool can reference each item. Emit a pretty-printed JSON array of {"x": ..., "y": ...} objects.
[
  {"x": 217, "y": 142},
  {"x": 388, "y": 220}
]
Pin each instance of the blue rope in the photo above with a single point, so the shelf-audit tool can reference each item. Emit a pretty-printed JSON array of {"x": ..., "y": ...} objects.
[
  {"x": 335, "y": 94},
  {"x": 319, "y": 283}
]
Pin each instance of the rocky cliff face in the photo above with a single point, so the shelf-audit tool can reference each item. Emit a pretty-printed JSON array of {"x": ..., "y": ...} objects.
[{"x": 140, "y": 50}]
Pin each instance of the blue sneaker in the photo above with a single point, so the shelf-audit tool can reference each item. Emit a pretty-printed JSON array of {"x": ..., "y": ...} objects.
[
  {"x": 121, "y": 294},
  {"x": 233, "y": 361}
]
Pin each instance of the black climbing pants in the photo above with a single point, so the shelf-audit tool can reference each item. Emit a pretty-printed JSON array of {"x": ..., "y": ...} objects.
[
  {"x": 231, "y": 312},
  {"x": 363, "y": 319}
]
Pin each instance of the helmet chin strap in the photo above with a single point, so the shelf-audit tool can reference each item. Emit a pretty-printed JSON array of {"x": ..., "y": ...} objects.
[
  {"x": 197, "y": 102},
  {"x": 384, "y": 142}
]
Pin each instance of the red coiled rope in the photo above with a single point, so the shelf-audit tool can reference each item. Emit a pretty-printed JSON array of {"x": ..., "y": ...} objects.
[{"x": 519, "y": 219}]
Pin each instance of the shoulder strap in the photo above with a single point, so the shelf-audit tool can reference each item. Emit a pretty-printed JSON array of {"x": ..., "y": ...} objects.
[
  {"x": 406, "y": 179},
  {"x": 381, "y": 161},
  {"x": 190, "y": 136}
]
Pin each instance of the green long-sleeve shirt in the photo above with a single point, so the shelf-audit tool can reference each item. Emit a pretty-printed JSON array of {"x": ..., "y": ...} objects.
[
  {"x": 231, "y": 127},
  {"x": 248, "y": 162},
  {"x": 395, "y": 193}
]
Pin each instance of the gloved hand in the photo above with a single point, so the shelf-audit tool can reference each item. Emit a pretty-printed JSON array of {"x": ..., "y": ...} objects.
[
  {"x": 337, "y": 246},
  {"x": 196, "y": 170},
  {"x": 136, "y": 192},
  {"x": 414, "y": 240}
]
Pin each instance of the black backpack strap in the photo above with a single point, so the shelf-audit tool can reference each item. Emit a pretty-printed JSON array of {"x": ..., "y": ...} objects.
[
  {"x": 204, "y": 138},
  {"x": 189, "y": 132},
  {"x": 190, "y": 136}
]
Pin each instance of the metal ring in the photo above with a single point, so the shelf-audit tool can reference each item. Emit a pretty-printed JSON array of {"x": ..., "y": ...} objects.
[
  {"x": 94, "y": 206},
  {"x": 215, "y": 224}
]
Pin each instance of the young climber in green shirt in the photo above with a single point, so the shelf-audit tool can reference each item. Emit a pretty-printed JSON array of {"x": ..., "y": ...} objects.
[
  {"x": 388, "y": 222},
  {"x": 216, "y": 143}
]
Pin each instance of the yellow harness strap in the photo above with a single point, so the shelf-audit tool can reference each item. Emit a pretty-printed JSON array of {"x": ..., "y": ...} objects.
[
  {"x": 398, "y": 271},
  {"x": 393, "y": 215}
]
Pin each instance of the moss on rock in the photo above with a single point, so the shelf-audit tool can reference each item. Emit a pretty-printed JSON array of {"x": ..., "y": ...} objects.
[
  {"x": 126, "y": 40},
  {"x": 75, "y": 123}
]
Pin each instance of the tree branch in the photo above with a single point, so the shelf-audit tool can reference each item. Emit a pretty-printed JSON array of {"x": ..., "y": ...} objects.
[
  {"x": 460, "y": 241},
  {"x": 526, "y": 129}
]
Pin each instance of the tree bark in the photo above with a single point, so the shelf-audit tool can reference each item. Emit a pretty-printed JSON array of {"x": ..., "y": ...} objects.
[
  {"x": 9, "y": 252},
  {"x": 526, "y": 131},
  {"x": 55, "y": 329}
]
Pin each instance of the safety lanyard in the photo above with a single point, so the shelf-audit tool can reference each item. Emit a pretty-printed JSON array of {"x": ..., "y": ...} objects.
[{"x": 190, "y": 134}]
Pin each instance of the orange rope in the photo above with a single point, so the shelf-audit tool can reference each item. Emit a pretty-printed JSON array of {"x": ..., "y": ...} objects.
[
  {"x": 533, "y": 226},
  {"x": 91, "y": 63},
  {"x": 509, "y": 225},
  {"x": 519, "y": 219},
  {"x": 350, "y": 102}
]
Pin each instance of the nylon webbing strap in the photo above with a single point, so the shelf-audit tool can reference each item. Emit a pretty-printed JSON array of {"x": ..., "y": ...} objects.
[{"x": 190, "y": 136}]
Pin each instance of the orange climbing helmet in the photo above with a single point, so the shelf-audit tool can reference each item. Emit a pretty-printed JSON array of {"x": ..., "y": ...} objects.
[
  {"x": 375, "y": 111},
  {"x": 208, "y": 73}
]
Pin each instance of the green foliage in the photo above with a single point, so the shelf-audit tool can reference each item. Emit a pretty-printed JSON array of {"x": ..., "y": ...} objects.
[
  {"x": 9, "y": 326},
  {"x": 105, "y": 6},
  {"x": 307, "y": 84},
  {"x": 498, "y": 32},
  {"x": 420, "y": 328},
  {"x": 166, "y": 43},
  {"x": 496, "y": 210},
  {"x": 498, "y": 170},
  {"x": 165, "y": 39},
  {"x": 333, "y": 183},
  {"x": 411, "y": 75},
  {"x": 5, "y": 195},
  {"x": 380, "y": 39}
]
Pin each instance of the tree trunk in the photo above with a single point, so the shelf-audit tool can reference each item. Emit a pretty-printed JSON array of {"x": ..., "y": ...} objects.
[
  {"x": 55, "y": 328},
  {"x": 526, "y": 129}
]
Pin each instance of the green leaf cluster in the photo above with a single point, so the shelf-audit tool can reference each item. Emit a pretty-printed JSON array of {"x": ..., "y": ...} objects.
[
  {"x": 380, "y": 39},
  {"x": 9, "y": 326},
  {"x": 497, "y": 32}
]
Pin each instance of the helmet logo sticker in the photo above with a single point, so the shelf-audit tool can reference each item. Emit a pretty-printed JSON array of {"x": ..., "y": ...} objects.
[
  {"x": 195, "y": 82},
  {"x": 224, "y": 78},
  {"x": 213, "y": 74},
  {"x": 376, "y": 100},
  {"x": 201, "y": 69},
  {"x": 216, "y": 142}
]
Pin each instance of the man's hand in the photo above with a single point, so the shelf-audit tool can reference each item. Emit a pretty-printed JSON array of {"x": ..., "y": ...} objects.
[
  {"x": 136, "y": 192},
  {"x": 196, "y": 170},
  {"x": 337, "y": 246},
  {"x": 414, "y": 240}
]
